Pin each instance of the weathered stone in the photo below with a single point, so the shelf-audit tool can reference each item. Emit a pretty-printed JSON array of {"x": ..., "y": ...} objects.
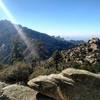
[
  {"x": 94, "y": 40},
  {"x": 2, "y": 85},
  {"x": 71, "y": 84},
  {"x": 19, "y": 92}
]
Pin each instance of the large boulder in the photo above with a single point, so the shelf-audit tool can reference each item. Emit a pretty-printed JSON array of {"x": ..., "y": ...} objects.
[
  {"x": 49, "y": 85},
  {"x": 2, "y": 85},
  {"x": 18, "y": 92},
  {"x": 71, "y": 84}
]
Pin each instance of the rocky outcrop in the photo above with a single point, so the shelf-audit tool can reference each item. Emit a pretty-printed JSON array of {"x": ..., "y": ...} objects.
[
  {"x": 19, "y": 92},
  {"x": 85, "y": 53},
  {"x": 71, "y": 84},
  {"x": 2, "y": 85}
]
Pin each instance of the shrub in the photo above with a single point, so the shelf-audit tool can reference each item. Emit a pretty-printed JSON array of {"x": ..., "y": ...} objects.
[
  {"x": 95, "y": 68},
  {"x": 76, "y": 65},
  {"x": 16, "y": 73},
  {"x": 41, "y": 70}
]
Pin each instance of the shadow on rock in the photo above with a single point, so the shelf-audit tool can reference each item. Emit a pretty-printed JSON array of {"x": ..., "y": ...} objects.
[{"x": 43, "y": 97}]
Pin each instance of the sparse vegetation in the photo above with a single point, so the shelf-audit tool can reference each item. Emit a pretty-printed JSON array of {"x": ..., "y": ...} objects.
[
  {"x": 18, "y": 72},
  {"x": 21, "y": 65}
]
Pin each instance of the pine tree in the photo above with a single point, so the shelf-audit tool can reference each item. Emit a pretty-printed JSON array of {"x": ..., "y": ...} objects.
[
  {"x": 57, "y": 58},
  {"x": 17, "y": 52}
]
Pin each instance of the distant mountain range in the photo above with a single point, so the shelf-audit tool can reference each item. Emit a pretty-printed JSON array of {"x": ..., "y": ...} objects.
[{"x": 44, "y": 43}]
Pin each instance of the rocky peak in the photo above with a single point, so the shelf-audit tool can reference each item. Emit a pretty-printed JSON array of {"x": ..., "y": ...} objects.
[
  {"x": 94, "y": 40},
  {"x": 87, "y": 54},
  {"x": 94, "y": 43}
]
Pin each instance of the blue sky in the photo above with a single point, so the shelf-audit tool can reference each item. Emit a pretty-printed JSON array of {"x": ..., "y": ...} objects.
[{"x": 68, "y": 18}]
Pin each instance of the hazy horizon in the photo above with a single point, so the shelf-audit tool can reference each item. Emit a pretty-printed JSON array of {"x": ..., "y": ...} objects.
[{"x": 69, "y": 19}]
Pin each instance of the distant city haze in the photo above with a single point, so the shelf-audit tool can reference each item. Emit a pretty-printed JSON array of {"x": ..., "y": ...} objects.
[{"x": 71, "y": 19}]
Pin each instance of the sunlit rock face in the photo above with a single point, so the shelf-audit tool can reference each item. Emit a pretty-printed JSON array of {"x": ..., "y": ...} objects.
[
  {"x": 71, "y": 84},
  {"x": 85, "y": 56},
  {"x": 94, "y": 42},
  {"x": 50, "y": 85},
  {"x": 19, "y": 92},
  {"x": 2, "y": 85}
]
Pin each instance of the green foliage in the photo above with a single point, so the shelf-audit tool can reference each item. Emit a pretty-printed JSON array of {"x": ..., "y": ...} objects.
[
  {"x": 55, "y": 65},
  {"x": 41, "y": 49},
  {"x": 57, "y": 58},
  {"x": 16, "y": 73},
  {"x": 41, "y": 70},
  {"x": 2, "y": 66},
  {"x": 76, "y": 65},
  {"x": 17, "y": 52},
  {"x": 95, "y": 68}
]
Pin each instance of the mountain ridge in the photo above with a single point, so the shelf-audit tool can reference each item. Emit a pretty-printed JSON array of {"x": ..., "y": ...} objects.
[
  {"x": 84, "y": 56},
  {"x": 44, "y": 43}
]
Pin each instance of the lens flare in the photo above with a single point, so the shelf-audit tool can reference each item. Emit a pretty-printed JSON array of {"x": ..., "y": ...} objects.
[{"x": 29, "y": 45}]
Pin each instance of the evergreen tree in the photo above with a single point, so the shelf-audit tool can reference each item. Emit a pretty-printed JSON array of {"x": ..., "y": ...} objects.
[
  {"x": 17, "y": 52},
  {"x": 57, "y": 58}
]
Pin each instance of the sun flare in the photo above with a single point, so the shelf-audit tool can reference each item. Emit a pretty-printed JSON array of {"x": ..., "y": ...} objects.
[{"x": 19, "y": 30}]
